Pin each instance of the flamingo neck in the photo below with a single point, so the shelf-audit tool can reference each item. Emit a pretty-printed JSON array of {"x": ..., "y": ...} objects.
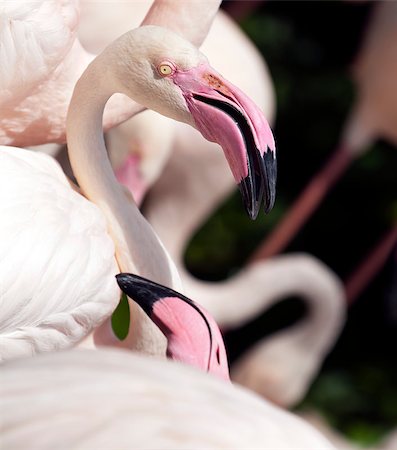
[
  {"x": 324, "y": 297},
  {"x": 264, "y": 283},
  {"x": 137, "y": 248}
]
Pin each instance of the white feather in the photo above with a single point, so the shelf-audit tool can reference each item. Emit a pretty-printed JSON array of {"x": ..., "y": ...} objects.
[
  {"x": 118, "y": 400},
  {"x": 34, "y": 38},
  {"x": 57, "y": 261}
]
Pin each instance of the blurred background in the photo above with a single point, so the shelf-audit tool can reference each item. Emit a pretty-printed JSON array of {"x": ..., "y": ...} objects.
[{"x": 309, "y": 48}]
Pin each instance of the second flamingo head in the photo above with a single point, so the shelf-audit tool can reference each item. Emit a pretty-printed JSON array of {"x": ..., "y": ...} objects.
[{"x": 192, "y": 334}]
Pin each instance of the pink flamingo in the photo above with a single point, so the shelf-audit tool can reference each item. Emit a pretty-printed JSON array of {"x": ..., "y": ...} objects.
[{"x": 372, "y": 116}]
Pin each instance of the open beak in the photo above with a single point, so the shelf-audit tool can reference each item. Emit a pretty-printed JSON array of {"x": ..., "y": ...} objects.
[{"x": 225, "y": 115}]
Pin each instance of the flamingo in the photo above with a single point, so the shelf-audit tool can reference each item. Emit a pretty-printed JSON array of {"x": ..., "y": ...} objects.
[
  {"x": 115, "y": 399},
  {"x": 42, "y": 59},
  {"x": 137, "y": 65},
  {"x": 193, "y": 336},
  {"x": 134, "y": 147},
  {"x": 372, "y": 116}
]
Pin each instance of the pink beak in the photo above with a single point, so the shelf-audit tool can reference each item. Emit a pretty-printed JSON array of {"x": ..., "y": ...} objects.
[
  {"x": 225, "y": 115},
  {"x": 193, "y": 335}
]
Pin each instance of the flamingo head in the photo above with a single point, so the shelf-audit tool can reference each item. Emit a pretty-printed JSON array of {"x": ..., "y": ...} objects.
[
  {"x": 174, "y": 78},
  {"x": 192, "y": 334}
]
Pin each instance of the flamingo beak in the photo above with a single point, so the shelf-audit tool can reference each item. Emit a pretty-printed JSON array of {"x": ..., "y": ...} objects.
[
  {"x": 146, "y": 292},
  {"x": 225, "y": 115},
  {"x": 142, "y": 291},
  {"x": 150, "y": 296}
]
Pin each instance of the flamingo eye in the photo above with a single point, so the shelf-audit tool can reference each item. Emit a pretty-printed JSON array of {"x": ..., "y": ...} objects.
[{"x": 165, "y": 69}]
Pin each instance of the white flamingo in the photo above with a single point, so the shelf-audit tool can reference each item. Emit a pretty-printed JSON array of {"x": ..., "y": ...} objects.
[
  {"x": 134, "y": 65},
  {"x": 134, "y": 145}
]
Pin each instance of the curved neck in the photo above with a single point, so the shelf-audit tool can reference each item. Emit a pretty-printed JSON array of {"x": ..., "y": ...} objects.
[
  {"x": 138, "y": 249},
  {"x": 262, "y": 284},
  {"x": 322, "y": 292}
]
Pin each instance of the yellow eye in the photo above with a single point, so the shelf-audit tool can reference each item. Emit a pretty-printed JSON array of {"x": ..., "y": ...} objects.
[{"x": 165, "y": 69}]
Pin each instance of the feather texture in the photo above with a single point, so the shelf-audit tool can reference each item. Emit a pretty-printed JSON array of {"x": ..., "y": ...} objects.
[{"x": 57, "y": 261}]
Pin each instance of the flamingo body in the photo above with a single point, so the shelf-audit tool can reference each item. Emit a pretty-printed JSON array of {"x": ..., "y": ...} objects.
[
  {"x": 47, "y": 29},
  {"x": 155, "y": 404},
  {"x": 41, "y": 62},
  {"x": 41, "y": 59},
  {"x": 57, "y": 262}
]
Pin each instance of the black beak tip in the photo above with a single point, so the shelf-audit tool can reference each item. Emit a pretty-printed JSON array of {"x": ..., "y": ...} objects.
[
  {"x": 269, "y": 201},
  {"x": 269, "y": 204},
  {"x": 252, "y": 212},
  {"x": 270, "y": 179},
  {"x": 144, "y": 292},
  {"x": 123, "y": 281},
  {"x": 251, "y": 204},
  {"x": 260, "y": 183}
]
